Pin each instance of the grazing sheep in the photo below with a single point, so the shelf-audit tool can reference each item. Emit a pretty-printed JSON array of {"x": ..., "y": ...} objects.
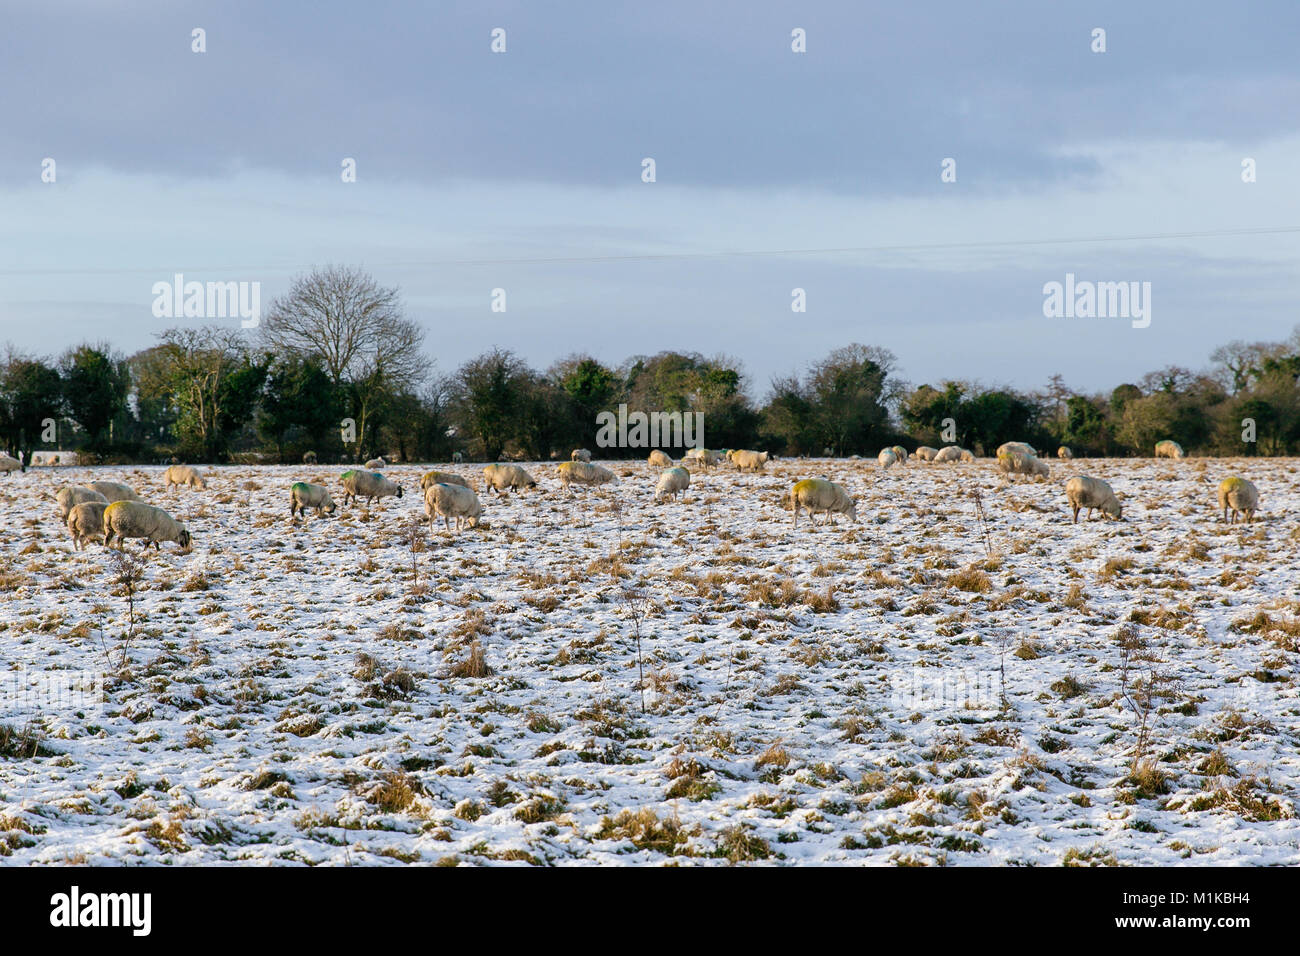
[
  {"x": 1092, "y": 493},
  {"x": 1169, "y": 449},
  {"x": 581, "y": 473},
  {"x": 580, "y": 454},
  {"x": 1064, "y": 452},
  {"x": 925, "y": 453},
  {"x": 442, "y": 478},
  {"x": 968, "y": 455},
  {"x": 457, "y": 458},
  {"x": 818, "y": 494},
  {"x": 8, "y": 464},
  {"x": 86, "y": 523},
  {"x": 503, "y": 478},
  {"x": 452, "y": 501},
  {"x": 900, "y": 453},
  {"x": 660, "y": 459},
  {"x": 184, "y": 475},
  {"x": 702, "y": 457},
  {"x": 1239, "y": 495},
  {"x": 948, "y": 453},
  {"x": 367, "y": 484},
  {"x": 135, "y": 519},
  {"x": 887, "y": 458},
  {"x": 1016, "y": 463},
  {"x": 114, "y": 491},
  {"x": 71, "y": 495},
  {"x": 672, "y": 482},
  {"x": 375, "y": 463},
  {"x": 747, "y": 460},
  {"x": 303, "y": 496},
  {"x": 309, "y": 458},
  {"x": 1016, "y": 448}
]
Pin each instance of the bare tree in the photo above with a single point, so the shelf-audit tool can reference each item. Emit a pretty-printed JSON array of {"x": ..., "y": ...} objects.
[{"x": 355, "y": 327}]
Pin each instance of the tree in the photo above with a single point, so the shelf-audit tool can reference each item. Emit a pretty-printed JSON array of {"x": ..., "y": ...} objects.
[
  {"x": 847, "y": 390},
  {"x": 491, "y": 391},
  {"x": 212, "y": 383},
  {"x": 31, "y": 392},
  {"x": 300, "y": 395},
  {"x": 95, "y": 388},
  {"x": 355, "y": 327}
]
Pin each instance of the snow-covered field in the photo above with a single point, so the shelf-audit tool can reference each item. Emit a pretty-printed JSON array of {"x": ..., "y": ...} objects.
[{"x": 885, "y": 693}]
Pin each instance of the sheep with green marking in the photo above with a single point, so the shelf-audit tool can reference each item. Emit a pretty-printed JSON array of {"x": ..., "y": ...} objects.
[
  {"x": 370, "y": 485},
  {"x": 819, "y": 495},
  {"x": 1169, "y": 449},
  {"x": 303, "y": 495},
  {"x": 886, "y": 458},
  {"x": 1240, "y": 497}
]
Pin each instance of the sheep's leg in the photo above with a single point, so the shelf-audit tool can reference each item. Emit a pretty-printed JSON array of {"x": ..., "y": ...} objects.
[{"x": 1076, "y": 515}]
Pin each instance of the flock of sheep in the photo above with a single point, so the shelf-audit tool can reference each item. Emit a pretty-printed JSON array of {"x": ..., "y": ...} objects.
[{"x": 112, "y": 512}]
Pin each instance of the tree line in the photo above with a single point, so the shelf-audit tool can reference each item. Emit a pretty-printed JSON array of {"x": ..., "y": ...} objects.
[{"x": 336, "y": 368}]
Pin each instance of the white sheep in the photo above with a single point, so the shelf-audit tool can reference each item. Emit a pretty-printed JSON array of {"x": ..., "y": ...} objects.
[
  {"x": 702, "y": 457},
  {"x": 1169, "y": 449},
  {"x": 1015, "y": 463},
  {"x": 746, "y": 460},
  {"x": 949, "y": 453},
  {"x": 303, "y": 496},
  {"x": 309, "y": 458},
  {"x": 114, "y": 491},
  {"x": 177, "y": 475},
  {"x": 1239, "y": 495},
  {"x": 442, "y": 478},
  {"x": 900, "y": 453},
  {"x": 581, "y": 473},
  {"x": 375, "y": 463},
  {"x": 1083, "y": 491},
  {"x": 660, "y": 459},
  {"x": 86, "y": 523},
  {"x": 135, "y": 519},
  {"x": 580, "y": 454},
  {"x": 502, "y": 478},
  {"x": 71, "y": 495},
  {"x": 452, "y": 501},
  {"x": 8, "y": 464},
  {"x": 968, "y": 456},
  {"x": 370, "y": 485},
  {"x": 1064, "y": 452},
  {"x": 925, "y": 453},
  {"x": 887, "y": 457},
  {"x": 818, "y": 494},
  {"x": 673, "y": 482}
]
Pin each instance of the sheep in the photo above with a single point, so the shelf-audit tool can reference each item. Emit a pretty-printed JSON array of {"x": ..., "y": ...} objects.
[
  {"x": 8, "y": 464},
  {"x": 747, "y": 460},
  {"x": 818, "y": 494},
  {"x": 135, "y": 519},
  {"x": 1168, "y": 449},
  {"x": 370, "y": 485},
  {"x": 71, "y": 495},
  {"x": 457, "y": 458},
  {"x": 967, "y": 455},
  {"x": 925, "y": 453},
  {"x": 702, "y": 456},
  {"x": 442, "y": 478},
  {"x": 86, "y": 523},
  {"x": 580, "y": 454},
  {"x": 1016, "y": 448},
  {"x": 184, "y": 475},
  {"x": 1083, "y": 491},
  {"x": 114, "y": 491},
  {"x": 303, "y": 496},
  {"x": 502, "y": 478},
  {"x": 581, "y": 473},
  {"x": 672, "y": 482},
  {"x": 452, "y": 501},
  {"x": 887, "y": 458},
  {"x": 1239, "y": 495},
  {"x": 374, "y": 464},
  {"x": 900, "y": 453},
  {"x": 949, "y": 453},
  {"x": 1064, "y": 452},
  {"x": 309, "y": 458},
  {"x": 660, "y": 459},
  {"x": 1016, "y": 463}
]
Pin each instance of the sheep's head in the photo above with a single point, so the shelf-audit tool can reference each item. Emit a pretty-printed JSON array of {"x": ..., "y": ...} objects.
[
  {"x": 329, "y": 506},
  {"x": 399, "y": 491},
  {"x": 186, "y": 541},
  {"x": 1113, "y": 508}
]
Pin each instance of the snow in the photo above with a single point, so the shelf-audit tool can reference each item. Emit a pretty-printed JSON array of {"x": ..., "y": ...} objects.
[{"x": 905, "y": 720}]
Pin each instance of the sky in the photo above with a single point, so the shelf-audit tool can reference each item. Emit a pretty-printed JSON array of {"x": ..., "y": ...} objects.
[{"x": 775, "y": 170}]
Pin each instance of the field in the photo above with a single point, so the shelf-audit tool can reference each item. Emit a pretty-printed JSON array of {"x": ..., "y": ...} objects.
[{"x": 598, "y": 678}]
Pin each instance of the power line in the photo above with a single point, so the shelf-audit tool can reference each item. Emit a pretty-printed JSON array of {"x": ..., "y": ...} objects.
[{"x": 724, "y": 254}]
